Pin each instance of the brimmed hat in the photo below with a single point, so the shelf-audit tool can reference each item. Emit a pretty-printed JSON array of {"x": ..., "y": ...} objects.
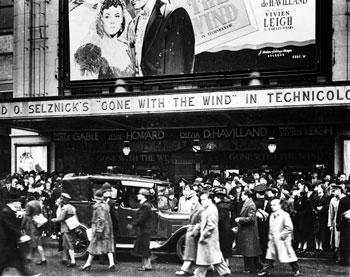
[
  {"x": 219, "y": 191},
  {"x": 191, "y": 194},
  {"x": 106, "y": 187},
  {"x": 170, "y": 191},
  {"x": 65, "y": 197},
  {"x": 336, "y": 186},
  {"x": 286, "y": 187},
  {"x": 310, "y": 185},
  {"x": 144, "y": 192},
  {"x": 260, "y": 188},
  {"x": 98, "y": 195}
]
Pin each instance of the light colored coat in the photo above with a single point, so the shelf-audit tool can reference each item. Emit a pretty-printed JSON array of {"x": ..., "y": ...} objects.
[
  {"x": 192, "y": 234},
  {"x": 208, "y": 252},
  {"x": 280, "y": 238},
  {"x": 332, "y": 216}
]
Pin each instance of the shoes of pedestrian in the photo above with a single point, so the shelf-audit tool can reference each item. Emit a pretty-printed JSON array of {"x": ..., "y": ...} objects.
[
  {"x": 183, "y": 273},
  {"x": 42, "y": 262},
  {"x": 296, "y": 273},
  {"x": 85, "y": 268},
  {"x": 112, "y": 268},
  {"x": 72, "y": 265},
  {"x": 64, "y": 262},
  {"x": 338, "y": 261},
  {"x": 264, "y": 273},
  {"x": 144, "y": 269}
]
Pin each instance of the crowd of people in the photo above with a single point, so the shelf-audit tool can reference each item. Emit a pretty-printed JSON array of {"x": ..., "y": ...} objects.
[
  {"x": 313, "y": 215},
  {"x": 251, "y": 213}
]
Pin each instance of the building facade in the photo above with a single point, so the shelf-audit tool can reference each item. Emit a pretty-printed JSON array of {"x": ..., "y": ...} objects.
[{"x": 293, "y": 92}]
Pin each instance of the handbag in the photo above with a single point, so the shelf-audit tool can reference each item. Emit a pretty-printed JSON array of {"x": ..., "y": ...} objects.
[
  {"x": 72, "y": 222},
  {"x": 39, "y": 220}
]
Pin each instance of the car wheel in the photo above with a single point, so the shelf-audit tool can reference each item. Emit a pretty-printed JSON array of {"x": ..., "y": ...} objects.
[
  {"x": 180, "y": 246},
  {"x": 81, "y": 243}
]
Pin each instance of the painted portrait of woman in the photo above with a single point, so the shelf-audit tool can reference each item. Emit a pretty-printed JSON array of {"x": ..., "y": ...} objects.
[{"x": 105, "y": 53}]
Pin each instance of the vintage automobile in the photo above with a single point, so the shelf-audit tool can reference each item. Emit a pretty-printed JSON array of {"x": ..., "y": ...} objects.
[{"x": 170, "y": 227}]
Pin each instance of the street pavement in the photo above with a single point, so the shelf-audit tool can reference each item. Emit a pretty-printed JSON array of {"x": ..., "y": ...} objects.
[{"x": 166, "y": 265}]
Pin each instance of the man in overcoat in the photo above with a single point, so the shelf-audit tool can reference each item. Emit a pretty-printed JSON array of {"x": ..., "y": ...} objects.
[
  {"x": 144, "y": 225},
  {"x": 164, "y": 39},
  {"x": 248, "y": 244},
  {"x": 208, "y": 252},
  {"x": 10, "y": 233},
  {"x": 280, "y": 240},
  {"x": 192, "y": 235},
  {"x": 343, "y": 225}
]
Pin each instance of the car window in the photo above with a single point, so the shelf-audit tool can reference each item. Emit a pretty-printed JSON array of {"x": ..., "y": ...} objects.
[
  {"x": 77, "y": 188},
  {"x": 115, "y": 184}
]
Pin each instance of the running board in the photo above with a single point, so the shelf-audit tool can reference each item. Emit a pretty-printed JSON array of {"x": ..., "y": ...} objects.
[{"x": 153, "y": 245}]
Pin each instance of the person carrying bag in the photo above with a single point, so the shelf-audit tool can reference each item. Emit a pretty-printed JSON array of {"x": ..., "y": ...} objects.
[{"x": 69, "y": 221}]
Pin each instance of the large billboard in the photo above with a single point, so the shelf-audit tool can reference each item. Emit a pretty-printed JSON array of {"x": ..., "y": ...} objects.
[{"x": 111, "y": 39}]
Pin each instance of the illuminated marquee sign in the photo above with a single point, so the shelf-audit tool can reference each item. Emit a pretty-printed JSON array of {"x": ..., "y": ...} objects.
[
  {"x": 179, "y": 102},
  {"x": 108, "y": 42}
]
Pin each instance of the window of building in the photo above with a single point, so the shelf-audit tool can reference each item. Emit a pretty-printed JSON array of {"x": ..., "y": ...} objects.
[{"x": 6, "y": 16}]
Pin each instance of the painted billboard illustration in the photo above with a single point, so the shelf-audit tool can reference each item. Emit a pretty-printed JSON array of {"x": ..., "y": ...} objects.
[{"x": 111, "y": 39}]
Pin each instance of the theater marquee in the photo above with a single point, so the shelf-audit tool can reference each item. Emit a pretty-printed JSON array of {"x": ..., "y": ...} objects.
[{"x": 180, "y": 102}]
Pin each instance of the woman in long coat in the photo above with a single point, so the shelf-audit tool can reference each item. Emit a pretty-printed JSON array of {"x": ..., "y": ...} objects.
[
  {"x": 192, "y": 235},
  {"x": 225, "y": 230},
  {"x": 144, "y": 225},
  {"x": 303, "y": 220},
  {"x": 102, "y": 241},
  {"x": 248, "y": 244}
]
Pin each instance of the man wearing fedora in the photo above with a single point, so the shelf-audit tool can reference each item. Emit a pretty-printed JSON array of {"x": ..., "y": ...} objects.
[
  {"x": 337, "y": 192},
  {"x": 208, "y": 252},
  {"x": 144, "y": 224},
  {"x": 343, "y": 225}
]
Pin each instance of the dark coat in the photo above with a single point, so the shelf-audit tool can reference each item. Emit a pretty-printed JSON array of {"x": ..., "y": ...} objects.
[
  {"x": 303, "y": 217},
  {"x": 343, "y": 226},
  {"x": 248, "y": 244},
  {"x": 10, "y": 226},
  {"x": 3, "y": 194},
  {"x": 192, "y": 234},
  {"x": 114, "y": 216},
  {"x": 168, "y": 45},
  {"x": 263, "y": 224},
  {"x": 144, "y": 224},
  {"x": 225, "y": 230}
]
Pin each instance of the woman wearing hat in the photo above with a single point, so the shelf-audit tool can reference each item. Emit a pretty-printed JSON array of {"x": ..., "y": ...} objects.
[
  {"x": 66, "y": 211},
  {"x": 144, "y": 225},
  {"x": 102, "y": 240},
  {"x": 225, "y": 229},
  {"x": 303, "y": 218}
]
